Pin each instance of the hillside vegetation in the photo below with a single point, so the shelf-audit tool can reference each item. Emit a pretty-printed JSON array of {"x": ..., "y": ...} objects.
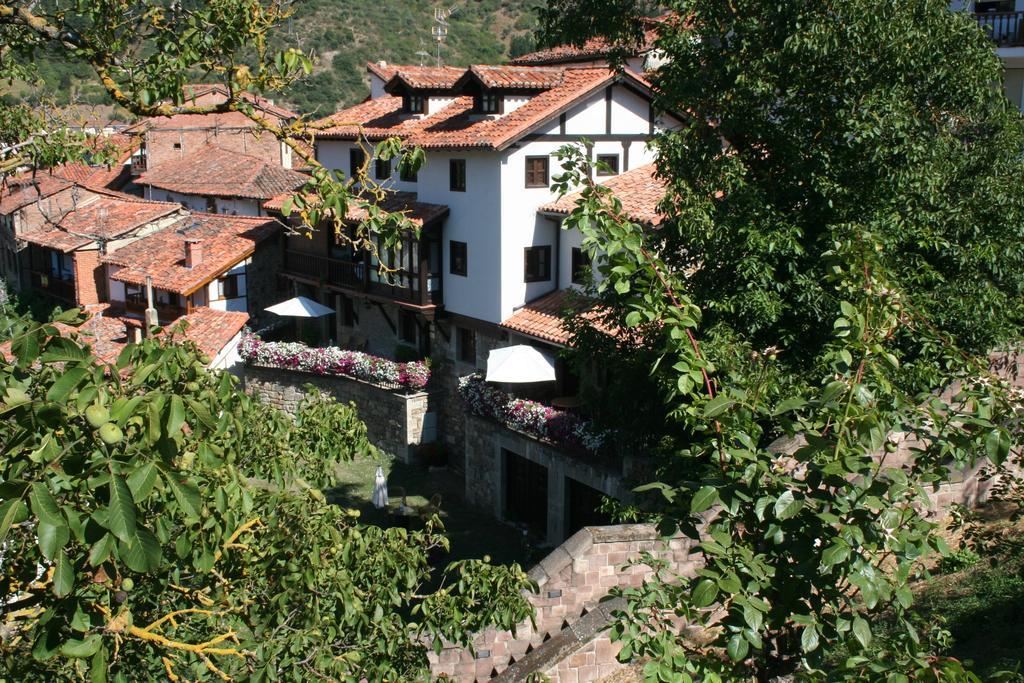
[{"x": 343, "y": 37}]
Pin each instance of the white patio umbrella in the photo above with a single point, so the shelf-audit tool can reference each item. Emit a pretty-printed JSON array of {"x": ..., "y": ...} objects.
[
  {"x": 380, "y": 489},
  {"x": 520, "y": 364},
  {"x": 300, "y": 307}
]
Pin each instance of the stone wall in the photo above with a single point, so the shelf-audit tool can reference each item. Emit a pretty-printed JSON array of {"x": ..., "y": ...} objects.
[
  {"x": 486, "y": 443},
  {"x": 572, "y": 581},
  {"x": 262, "y": 286},
  {"x": 394, "y": 421}
]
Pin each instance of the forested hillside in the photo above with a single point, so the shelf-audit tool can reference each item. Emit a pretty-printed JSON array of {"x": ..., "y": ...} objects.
[{"x": 343, "y": 36}]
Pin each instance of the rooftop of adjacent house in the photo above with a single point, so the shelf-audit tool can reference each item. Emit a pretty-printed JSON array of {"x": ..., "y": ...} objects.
[
  {"x": 457, "y": 125},
  {"x": 98, "y": 215},
  {"x": 420, "y": 213},
  {"x": 106, "y": 332},
  {"x": 18, "y": 191},
  {"x": 221, "y": 243},
  {"x": 216, "y": 172},
  {"x": 542, "y": 317},
  {"x": 592, "y": 49},
  {"x": 639, "y": 190},
  {"x": 210, "y": 93}
]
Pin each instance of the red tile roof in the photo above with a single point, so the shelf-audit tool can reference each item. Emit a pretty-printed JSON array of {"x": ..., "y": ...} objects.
[
  {"x": 212, "y": 171},
  {"x": 455, "y": 126},
  {"x": 210, "y": 330},
  {"x": 593, "y": 49},
  {"x": 517, "y": 77},
  {"x": 381, "y": 70},
  {"x": 231, "y": 119},
  {"x": 420, "y": 213},
  {"x": 225, "y": 242},
  {"x": 639, "y": 190},
  {"x": 17, "y": 192},
  {"x": 98, "y": 217},
  {"x": 197, "y": 90},
  {"x": 426, "y": 77},
  {"x": 542, "y": 318}
]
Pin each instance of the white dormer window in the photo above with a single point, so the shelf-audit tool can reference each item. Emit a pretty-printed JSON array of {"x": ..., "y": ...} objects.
[{"x": 490, "y": 103}]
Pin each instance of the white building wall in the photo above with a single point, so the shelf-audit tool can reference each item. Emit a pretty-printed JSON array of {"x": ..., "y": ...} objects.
[
  {"x": 239, "y": 303},
  {"x": 198, "y": 203}
]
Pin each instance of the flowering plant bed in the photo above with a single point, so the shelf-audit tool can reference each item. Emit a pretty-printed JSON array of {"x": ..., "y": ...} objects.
[
  {"x": 332, "y": 361},
  {"x": 530, "y": 417}
]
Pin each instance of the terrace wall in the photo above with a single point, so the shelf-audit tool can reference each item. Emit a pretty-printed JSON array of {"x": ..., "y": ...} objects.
[{"x": 396, "y": 423}]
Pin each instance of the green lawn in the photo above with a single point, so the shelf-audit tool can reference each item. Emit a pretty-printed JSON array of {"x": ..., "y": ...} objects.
[{"x": 473, "y": 533}]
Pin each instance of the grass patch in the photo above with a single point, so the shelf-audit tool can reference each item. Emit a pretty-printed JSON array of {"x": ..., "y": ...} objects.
[{"x": 473, "y": 533}]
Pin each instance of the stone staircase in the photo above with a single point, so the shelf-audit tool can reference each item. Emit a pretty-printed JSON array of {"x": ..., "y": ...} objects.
[{"x": 570, "y": 641}]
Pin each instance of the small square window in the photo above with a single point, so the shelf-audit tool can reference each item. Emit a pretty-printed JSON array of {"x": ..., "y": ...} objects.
[
  {"x": 457, "y": 175},
  {"x": 537, "y": 171},
  {"x": 607, "y": 164},
  {"x": 414, "y": 104},
  {"x": 227, "y": 287},
  {"x": 580, "y": 266},
  {"x": 407, "y": 327},
  {"x": 466, "y": 345},
  {"x": 356, "y": 159},
  {"x": 177, "y": 145},
  {"x": 458, "y": 256},
  {"x": 382, "y": 169},
  {"x": 211, "y": 205},
  {"x": 537, "y": 264},
  {"x": 490, "y": 103}
]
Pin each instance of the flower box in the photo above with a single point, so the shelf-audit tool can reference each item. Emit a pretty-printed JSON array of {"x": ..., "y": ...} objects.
[{"x": 332, "y": 361}]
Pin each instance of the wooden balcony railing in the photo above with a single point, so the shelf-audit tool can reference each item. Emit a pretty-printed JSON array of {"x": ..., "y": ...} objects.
[
  {"x": 54, "y": 286},
  {"x": 420, "y": 288},
  {"x": 164, "y": 313},
  {"x": 1003, "y": 27}
]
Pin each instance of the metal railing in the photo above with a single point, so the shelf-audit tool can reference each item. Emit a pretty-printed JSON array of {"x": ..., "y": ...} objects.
[{"x": 1003, "y": 27}]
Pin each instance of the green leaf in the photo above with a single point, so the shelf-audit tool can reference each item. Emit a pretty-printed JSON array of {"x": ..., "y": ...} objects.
[
  {"x": 101, "y": 549},
  {"x": 718, "y": 405},
  {"x": 786, "y": 505},
  {"x": 82, "y": 648},
  {"x": 835, "y": 553},
  {"x": 704, "y": 593},
  {"x": 809, "y": 638},
  {"x": 52, "y": 539},
  {"x": 121, "y": 519},
  {"x": 997, "y": 445},
  {"x": 862, "y": 631},
  {"x": 45, "y": 506},
  {"x": 68, "y": 380},
  {"x": 186, "y": 494},
  {"x": 11, "y": 512},
  {"x": 788, "y": 405},
  {"x": 703, "y": 499},
  {"x": 142, "y": 480},
  {"x": 98, "y": 666},
  {"x": 143, "y": 554},
  {"x": 63, "y": 576},
  {"x": 737, "y": 648},
  {"x": 175, "y": 415}
]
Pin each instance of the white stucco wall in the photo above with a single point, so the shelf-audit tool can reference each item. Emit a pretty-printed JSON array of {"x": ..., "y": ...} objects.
[
  {"x": 194, "y": 202},
  {"x": 239, "y": 303}
]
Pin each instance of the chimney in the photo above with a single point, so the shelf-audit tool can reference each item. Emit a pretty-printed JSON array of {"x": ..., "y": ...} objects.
[{"x": 193, "y": 252}]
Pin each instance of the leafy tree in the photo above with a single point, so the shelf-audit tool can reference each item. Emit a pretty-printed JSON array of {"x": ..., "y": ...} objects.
[
  {"x": 842, "y": 244},
  {"x": 140, "y": 539}
]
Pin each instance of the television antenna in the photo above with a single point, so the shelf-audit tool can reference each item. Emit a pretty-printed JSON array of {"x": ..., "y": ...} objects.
[{"x": 440, "y": 28}]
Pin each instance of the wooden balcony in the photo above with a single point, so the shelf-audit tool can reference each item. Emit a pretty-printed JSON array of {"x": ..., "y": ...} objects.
[
  {"x": 416, "y": 288},
  {"x": 46, "y": 282},
  {"x": 164, "y": 313},
  {"x": 1003, "y": 27}
]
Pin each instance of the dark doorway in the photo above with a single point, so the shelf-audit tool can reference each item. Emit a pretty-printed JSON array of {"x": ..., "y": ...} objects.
[
  {"x": 583, "y": 503},
  {"x": 526, "y": 493}
]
